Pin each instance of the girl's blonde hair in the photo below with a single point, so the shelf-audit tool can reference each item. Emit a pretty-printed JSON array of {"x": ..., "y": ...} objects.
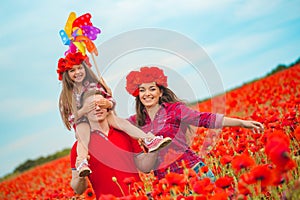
[{"x": 67, "y": 102}]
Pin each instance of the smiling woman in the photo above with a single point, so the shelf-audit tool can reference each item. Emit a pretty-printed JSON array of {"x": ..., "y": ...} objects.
[{"x": 158, "y": 110}]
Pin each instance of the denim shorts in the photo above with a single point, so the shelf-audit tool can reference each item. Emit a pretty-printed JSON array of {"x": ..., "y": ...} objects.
[{"x": 209, "y": 174}]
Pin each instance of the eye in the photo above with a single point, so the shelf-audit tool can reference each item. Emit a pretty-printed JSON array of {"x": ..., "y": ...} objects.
[
  {"x": 153, "y": 89},
  {"x": 141, "y": 89}
]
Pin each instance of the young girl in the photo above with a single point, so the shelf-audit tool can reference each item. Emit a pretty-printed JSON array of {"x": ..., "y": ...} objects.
[{"x": 77, "y": 77}]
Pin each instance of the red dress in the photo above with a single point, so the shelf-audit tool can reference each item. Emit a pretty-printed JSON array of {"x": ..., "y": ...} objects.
[{"x": 110, "y": 156}]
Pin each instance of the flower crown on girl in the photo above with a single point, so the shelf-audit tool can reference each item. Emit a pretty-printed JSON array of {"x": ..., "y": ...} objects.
[
  {"x": 65, "y": 64},
  {"x": 146, "y": 75}
]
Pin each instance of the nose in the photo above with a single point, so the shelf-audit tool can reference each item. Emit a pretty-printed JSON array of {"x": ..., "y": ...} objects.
[
  {"x": 76, "y": 71},
  {"x": 97, "y": 107},
  {"x": 147, "y": 92}
]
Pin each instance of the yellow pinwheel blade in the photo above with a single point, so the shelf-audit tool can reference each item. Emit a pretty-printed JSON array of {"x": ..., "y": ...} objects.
[
  {"x": 69, "y": 23},
  {"x": 80, "y": 46}
]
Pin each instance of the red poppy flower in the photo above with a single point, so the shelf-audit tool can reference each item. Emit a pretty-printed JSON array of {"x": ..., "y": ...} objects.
[
  {"x": 277, "y": 148},
  {"x": 175, "y": 179},
  {"x": 240, "y": 162},
  {"x": 138, "y": 186},
  {"x": 200, "y": 186},
  {"x": 243, "y": 189},
  {"x": 129, "y": 180},
  {"x": 276, "y": 138},
  {"x": 204, "y": 169},
  {"x": 107, "y": 197},
  {"x": 262, "y": 174},
  {"x": 219, "y": 196},
  {"x": 89, "y": 194},
  {"x": 224, "y": 182},
  {"x": 279, "y": 155},
  {"x": 140, "y": 197},
  {"x": 297, "y": 133},
  {"x": 182, "y": 197},
  {"x": 225, "y": 159}
]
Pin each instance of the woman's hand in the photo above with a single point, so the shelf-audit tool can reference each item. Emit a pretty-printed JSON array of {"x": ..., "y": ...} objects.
[{"x": 256, "y": 127}]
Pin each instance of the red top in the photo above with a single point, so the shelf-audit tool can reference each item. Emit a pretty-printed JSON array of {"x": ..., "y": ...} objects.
[
  {"x": 110, "y": 157},
  {"x": 172, "y": 120}
]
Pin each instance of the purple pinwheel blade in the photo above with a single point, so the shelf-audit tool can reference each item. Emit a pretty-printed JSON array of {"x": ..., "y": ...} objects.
[{"x": 90, "y": 32}]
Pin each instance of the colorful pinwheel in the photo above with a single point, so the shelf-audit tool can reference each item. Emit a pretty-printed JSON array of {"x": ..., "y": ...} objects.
[{"x": 79, "y": 33}]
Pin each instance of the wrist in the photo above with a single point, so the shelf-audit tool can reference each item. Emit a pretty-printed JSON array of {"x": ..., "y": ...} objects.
[
  {"x": 82, "y": 179},
  {"x": 79, "y": 113}
]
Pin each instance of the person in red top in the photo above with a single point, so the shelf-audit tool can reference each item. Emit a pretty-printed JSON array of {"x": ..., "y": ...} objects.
[
  {"x": 158, "y": 110},
  {"x": 111, "y": 155}
]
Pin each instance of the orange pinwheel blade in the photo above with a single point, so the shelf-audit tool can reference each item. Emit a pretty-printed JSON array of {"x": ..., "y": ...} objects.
[{"x": 90, "y": 46}]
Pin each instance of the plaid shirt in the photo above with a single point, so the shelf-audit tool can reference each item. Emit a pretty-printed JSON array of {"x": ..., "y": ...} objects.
[{"x": 172, "y": 120}]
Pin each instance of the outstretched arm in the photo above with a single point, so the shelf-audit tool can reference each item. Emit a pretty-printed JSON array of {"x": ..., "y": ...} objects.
[
  {"x": 228, "y": 121},
  {"x": 78, "y": 184}
]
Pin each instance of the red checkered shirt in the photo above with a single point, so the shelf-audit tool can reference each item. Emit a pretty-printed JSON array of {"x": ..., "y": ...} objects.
[{"x": 172, "y": 120}]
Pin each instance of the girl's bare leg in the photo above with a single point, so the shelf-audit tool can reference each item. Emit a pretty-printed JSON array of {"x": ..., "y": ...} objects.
[{"x": 83, "y": 138}]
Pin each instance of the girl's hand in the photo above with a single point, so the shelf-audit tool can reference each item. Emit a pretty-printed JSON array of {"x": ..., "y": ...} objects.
[
  {"x": 256, "y": 127},
  {"x": 87, "y": 107},
  {"x": 104, "y": 103}
]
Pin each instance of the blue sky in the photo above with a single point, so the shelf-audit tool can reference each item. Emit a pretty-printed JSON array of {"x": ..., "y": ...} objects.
[{"x": 244, "y": 40}]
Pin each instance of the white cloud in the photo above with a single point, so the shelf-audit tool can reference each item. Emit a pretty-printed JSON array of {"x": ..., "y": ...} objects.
[
  {"x": 255, "y": 8},
  {"x": 21, "y": 143},
  {"x": 239, "y": 45},
  {"x": 24, "y": 108}
]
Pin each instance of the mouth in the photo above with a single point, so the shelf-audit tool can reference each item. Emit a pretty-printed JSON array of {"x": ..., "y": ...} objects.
[
  {"x": 98, "y": 113},
  {"x": 148, "y": 98},
  {"x": 78, "y": 77}
]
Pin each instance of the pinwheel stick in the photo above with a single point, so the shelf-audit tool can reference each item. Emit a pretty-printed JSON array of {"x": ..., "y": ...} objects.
[{"x": 100, "y": 77}]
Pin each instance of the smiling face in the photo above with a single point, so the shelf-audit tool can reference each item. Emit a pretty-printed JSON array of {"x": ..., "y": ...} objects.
[
  {"x": 98, "y": 114},
  {"x": 77, "y": 73},
  {"x": 149, "y": 94}
]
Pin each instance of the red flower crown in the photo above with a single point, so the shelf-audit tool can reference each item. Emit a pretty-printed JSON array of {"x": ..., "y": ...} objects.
[
  {"x": 145, "y": 75},
  {"x": 67, "y": 63}
]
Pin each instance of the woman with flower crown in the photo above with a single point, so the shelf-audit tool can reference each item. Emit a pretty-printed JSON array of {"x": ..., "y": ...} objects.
[
  {"x": 159, "y": 111},
  {"x": 77, "y": 78}
]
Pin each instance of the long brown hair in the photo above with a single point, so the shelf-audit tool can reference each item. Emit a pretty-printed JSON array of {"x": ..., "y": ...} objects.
[
  {"x": 67, "y": 102},
  {"x": 168, "y": 96}
]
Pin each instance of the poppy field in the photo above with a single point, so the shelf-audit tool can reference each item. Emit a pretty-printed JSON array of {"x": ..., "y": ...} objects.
[{"x": 247, "y": 165}]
